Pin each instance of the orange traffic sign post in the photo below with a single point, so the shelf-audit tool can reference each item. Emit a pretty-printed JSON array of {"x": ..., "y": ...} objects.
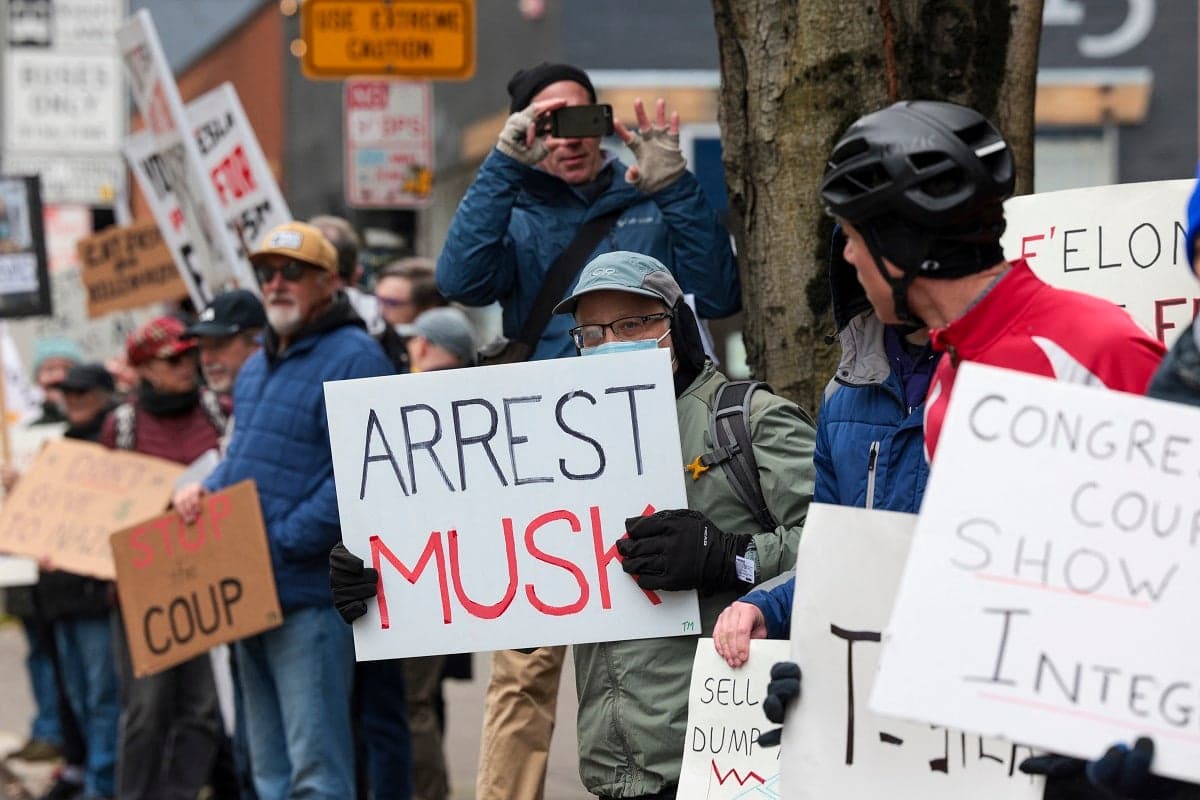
[{"x": 404, "y": 38}]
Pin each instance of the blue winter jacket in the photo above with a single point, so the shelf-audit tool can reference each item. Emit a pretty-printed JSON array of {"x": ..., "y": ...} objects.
[
  {"x": 515, "y": 221},
  {"x": 281, "y": 440},
  {"x": 869, "y": 451}
]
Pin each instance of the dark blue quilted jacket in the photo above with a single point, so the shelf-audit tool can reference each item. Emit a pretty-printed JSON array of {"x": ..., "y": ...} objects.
[{"x": 281, "y": 440}]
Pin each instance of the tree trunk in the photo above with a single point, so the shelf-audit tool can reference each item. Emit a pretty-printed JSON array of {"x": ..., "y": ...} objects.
[{"x": 794, "y": 75}]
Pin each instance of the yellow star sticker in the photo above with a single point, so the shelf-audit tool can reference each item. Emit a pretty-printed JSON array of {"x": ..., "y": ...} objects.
[{"x": 696, "y": 468}]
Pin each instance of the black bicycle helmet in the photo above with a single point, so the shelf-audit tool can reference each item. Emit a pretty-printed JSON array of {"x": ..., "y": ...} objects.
[
  {"x": 939, "y": 166},
  {"x": 924, "y": 182}
]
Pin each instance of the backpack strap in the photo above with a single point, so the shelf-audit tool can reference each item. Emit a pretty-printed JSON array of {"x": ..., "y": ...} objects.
[
  {"x": 733, "y": 447},
  {"x": 125, "y": 417}
]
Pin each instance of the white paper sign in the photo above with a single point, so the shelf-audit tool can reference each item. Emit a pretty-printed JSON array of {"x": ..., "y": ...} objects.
[
  {"x": 1063, "y": 521},
  {"x": 847, "y": 572},
  {"x": 389, "y": 143},
  {"x": 721, "y": 756},
  {"x": 490, "y": 499},
  {"x": 1123, "y": 243},
  {"x": 175, "y": 178},
  {"x": 250, "y": 200}
]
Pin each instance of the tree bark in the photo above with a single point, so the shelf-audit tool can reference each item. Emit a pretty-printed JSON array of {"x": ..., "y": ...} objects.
[{"x": 794, "y": 75}]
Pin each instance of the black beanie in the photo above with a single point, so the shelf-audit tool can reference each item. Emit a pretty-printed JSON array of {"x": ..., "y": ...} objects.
[{"x": 528, "y": 82}]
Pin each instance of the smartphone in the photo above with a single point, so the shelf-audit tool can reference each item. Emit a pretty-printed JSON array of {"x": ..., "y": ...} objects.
[{"x": 579, "y": 122}]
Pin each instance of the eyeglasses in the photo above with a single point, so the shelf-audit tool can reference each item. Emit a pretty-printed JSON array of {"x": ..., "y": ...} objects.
[
  {"x": 178, "y": 358},
  {"x": 292, "y": 272},
  {"x": 626, "y": 329},
  {"x": 391, "y": 302}
]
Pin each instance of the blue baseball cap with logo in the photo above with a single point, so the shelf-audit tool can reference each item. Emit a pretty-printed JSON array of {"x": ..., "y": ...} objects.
[{"x": 624, "y": 271}]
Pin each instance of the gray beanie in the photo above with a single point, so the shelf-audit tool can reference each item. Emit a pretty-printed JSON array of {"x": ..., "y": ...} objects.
[{"x": 450, "y": 330}]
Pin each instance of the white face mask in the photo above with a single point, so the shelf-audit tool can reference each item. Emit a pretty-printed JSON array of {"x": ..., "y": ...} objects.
[{"x": 623, "y": 347}]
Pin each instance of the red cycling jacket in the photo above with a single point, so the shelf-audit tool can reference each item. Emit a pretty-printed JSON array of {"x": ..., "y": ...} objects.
[{"x": 1027, "y": 325}]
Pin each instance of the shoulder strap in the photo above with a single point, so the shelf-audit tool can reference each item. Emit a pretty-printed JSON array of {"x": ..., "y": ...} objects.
[
  {"x": 561, "y": 275},
  {"x": 125, "y": 416},
  {"x": 729, "y": 429}
]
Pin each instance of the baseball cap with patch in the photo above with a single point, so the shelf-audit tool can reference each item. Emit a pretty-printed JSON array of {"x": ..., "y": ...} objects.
[
  {"x": 299, "y": 241},
  {"x": 229, "y": 313},
  {"x": 624, "y": 271}
]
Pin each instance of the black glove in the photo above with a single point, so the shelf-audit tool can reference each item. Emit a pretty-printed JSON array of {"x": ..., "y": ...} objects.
[
  {"x": 352, "y": 582},
  {"x": 1120, "y": 773},
  {"x": 782, "y": 690},
  {"x": 681, "y": 549}
]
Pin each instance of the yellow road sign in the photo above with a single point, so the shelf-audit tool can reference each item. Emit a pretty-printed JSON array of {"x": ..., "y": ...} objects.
[{"x": 411, "y": 38}]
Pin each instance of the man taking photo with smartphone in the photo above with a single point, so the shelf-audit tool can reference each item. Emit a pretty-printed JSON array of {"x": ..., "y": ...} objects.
[{"x": 547, "y": 200}]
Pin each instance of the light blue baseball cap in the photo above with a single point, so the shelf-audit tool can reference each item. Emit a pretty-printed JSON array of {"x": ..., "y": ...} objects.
[{"x": 624, "y": 271}]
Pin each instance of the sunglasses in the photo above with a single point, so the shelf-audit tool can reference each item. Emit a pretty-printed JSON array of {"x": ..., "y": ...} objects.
[
  {"x": 178, "y": 358},
  {"x": 292, "y": 272}
]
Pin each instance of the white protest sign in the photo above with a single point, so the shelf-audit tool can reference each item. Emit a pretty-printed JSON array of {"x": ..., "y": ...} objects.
[
  {"x": 1063, "y": 521},
  {"x": 1123, "y": 243},
  {"x": 233, "y": 160},
  {"x": 721, "y": 756},
  {"x": 847, "y": 573},
  {"x": 490, "y": 500},
  {"x": 173, "y": 177},
  {"x": 389, "y": 143}
]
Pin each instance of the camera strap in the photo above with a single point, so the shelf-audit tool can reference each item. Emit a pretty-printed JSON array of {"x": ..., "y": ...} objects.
[{"x": 562, "y": 274}]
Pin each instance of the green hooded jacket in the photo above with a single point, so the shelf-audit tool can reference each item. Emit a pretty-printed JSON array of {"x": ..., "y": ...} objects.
[{"x": 633, "y": 695}]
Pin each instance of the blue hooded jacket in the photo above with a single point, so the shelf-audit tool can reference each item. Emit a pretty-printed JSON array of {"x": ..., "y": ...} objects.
[
  {"x": 281, "y": 440},
  {"x": 515, "y": 221}
]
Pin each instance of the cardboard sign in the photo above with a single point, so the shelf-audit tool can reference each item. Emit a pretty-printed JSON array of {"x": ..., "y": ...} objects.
[
  {"x": 174, "y": 181},
  {"x": 236, "y": 168},
  {"x": 721, "y": 756},
  {"x": 490, "y": 500},
  {"x": 1063, "y": 522},
  {"x": 187, "y": 588},
  {"x": 24, "y": 272},
  {"x": 1123, "y": 243},
  {"x": 74, "y": 496},
  {"x": 847, "y": 572},
  {"x": 389, "y": 144},
  {"x": 128, "y": 267}
]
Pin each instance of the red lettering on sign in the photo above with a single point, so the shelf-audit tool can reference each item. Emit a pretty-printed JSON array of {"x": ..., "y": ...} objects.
[
  {"x": 606, "y": 557},
  {"x": 433, "y": 549},
  {"x": 541, "y": 555},
  {"x": 481, "y": 610},
  {"x": 233, "y": 178},
  {"x": 368, "y": 95}
]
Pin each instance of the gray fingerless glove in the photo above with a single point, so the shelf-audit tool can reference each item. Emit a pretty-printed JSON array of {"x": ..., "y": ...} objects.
[
  {"x": 512, "y": 139},
  {"x": 659, "y": 161}
]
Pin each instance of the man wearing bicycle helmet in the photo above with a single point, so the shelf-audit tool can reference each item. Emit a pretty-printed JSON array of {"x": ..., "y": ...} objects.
[{"x": 919, "y": 188}]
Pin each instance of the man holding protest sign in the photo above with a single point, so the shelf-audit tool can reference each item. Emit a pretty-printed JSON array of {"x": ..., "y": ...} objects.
[
  {"x": 172, "y": 418},
  {"x": 540, "y": 207},
  {"x": 297, "y": 678},
  {"x": 633, "y": 694}
]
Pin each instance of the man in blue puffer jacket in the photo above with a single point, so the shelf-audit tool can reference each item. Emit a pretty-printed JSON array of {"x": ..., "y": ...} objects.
[
  {"x": 870, "y": 444},
  {"x": 533, "y": 194},
  {"x": 297, "y": 678}
]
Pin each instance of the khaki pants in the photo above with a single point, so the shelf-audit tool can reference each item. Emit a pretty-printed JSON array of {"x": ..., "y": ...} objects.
[
  {"x": 518, "y": 720},
  {"x": 422, "y": 677}
]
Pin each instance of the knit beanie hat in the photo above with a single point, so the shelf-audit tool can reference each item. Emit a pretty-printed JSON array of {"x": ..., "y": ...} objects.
[
  {"x": 528, "y": 82},
  {"x": 55, "y": 347}
]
